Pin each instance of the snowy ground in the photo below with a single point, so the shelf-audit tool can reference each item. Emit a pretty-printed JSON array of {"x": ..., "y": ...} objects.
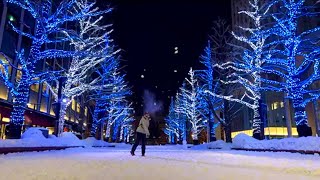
[{"x": 161, "y": 162}]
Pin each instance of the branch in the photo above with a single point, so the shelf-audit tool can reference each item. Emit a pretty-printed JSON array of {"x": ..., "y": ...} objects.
[
  {"x": 231, "y": 98},
  {"x": 27, "y": 5},
  {"x": 20, "y": 32}
]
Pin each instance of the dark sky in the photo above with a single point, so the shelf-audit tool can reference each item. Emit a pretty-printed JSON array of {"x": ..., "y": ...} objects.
[{"x": 148, "y": 31}]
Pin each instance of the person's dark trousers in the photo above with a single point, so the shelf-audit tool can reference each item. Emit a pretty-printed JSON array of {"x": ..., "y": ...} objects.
[{"x": 140, "y": 137}]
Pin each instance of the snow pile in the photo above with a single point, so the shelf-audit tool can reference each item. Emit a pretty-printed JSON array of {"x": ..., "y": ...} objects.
[
  {"x": 33, "y": 137},
  {"x": 69, "y": 139},
  {"x": 91, "y": 141},
  {"x": 303, "y": 143},
  {"x": 28, "y": 142},
  {"x": 219, "y": 144},
  {"x": 51, "y": 136},
  {"x": 33, "y": 133},
  {"x": 244, "y": 141}
]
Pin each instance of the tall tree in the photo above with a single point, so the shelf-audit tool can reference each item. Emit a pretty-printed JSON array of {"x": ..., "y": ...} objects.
[
  {"x": 295, "y": 58},
  {"x": 244, "y": 69},
  {"x": 193, "y": 105},
  {"x": 208, "y": 82},
  {"x": 109, "y": 74},
  {"x": 77, "y": 78},
  {"x": 126, "y": 122},
  {"x": 94, "y": 43},
  {"x": 173, "y": 128},
  {"x": 48, "y": 25},
  {"x": 115, "y": 108},
  {"x": 181, "y": 117}
]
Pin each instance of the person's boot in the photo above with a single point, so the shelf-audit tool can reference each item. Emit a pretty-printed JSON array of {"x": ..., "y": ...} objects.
[
  {"x": 143, "y": 155},
  {"x": 132, "y": 153}
]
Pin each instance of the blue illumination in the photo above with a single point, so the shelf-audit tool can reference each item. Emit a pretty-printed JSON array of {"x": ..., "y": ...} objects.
[
  {"x": 48, "y": 23},
  {"x": 112, "y": 108}
]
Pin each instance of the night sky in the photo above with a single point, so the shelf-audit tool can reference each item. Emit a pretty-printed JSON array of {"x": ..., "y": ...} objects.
[{"x": 149, "y": 31}]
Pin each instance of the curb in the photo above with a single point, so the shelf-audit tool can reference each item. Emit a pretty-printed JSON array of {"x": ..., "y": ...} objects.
[
  {"x": 278, "y": 150},
  {"x": 7, "y": 150}
]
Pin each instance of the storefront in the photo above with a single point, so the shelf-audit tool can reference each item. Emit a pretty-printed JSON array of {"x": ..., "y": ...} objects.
[
  {"x": 4, "y": 120},
  {"x": 32, "y": 119}
]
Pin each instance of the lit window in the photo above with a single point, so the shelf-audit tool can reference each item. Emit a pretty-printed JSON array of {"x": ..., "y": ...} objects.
[
  {"x": 3, "y": 92},
  {"x": 45, "y": 89},
  {"x": 52, "y": 112},
  {"x": 281, "y": 104},
  {"x": 5, "y": 61},
  {"x": 31, "y": 106},
  {"x": 35, "y": 87},
  {"x": 78, "y": 107},
  {"x": 275, "y": 105},
  {"x": 3, "y": 88},
  {"x": 19, "y": 73},
  {"x": 86, "y": 111},
  {"x": 4, "y": 119},
  {"x": 44, "y": 103},
  {"x": 73, "y": 105}
]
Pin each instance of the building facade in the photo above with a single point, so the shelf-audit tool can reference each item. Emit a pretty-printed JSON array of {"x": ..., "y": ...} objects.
[{"x": 40, "y": 110}]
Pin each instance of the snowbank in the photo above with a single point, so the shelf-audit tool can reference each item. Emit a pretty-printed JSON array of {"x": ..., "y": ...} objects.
[
  {"x": 33, "y": 137},
  {"x": 69, "y": 139},
  {"x": 302, "y": 143},
  {"x": 219, "y": 144},
  {"x": 34, "y": 133},
  {"x": 120, "y": 145},
  {"x": 91, "y": 141}
]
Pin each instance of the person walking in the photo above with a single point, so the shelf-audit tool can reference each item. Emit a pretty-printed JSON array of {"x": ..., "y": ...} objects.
[{"x": 142, "y": 132}]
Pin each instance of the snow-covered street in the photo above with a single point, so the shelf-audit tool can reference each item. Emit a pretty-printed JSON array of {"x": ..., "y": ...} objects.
[{"x": 161, "y": 162}]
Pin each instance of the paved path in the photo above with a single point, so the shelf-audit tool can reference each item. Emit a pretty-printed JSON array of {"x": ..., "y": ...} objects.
[{"x": 160, "y": 163}]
